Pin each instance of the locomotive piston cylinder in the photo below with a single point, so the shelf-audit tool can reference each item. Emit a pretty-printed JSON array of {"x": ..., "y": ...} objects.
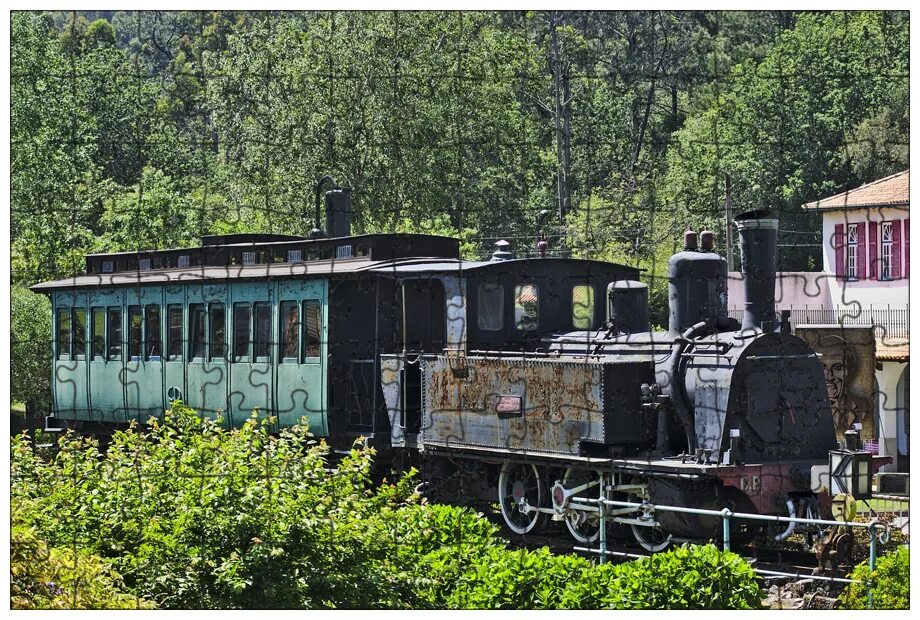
[{"x": 758, "y": 231}]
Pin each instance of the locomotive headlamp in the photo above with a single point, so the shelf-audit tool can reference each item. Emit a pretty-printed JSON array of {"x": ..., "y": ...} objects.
[{"x": 851, "y": 472}]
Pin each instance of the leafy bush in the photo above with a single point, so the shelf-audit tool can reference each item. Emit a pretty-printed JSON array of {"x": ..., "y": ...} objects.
[
  {"x": 687, "y": 577},
  {"x": 43, "y": 577},
  {"x": 891, "y": 579},
  {"x": 192, "y": 514},
  {"x": 30, "y": 349}
]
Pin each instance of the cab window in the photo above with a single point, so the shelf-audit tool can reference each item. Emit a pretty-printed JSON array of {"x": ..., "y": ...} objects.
[
  {"x": 491, "y": 306},
  {"x": 63, "y": 338},
  {"x": 582, "y": 307},
  {"x": 526, "y": 307}
]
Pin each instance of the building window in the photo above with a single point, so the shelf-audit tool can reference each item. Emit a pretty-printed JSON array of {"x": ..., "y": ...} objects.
[
  {"x": 154, "y": 335},
  {"x": 852, "y": 245},
  {"x": 491, "y": 306},
  {"x": 144, "y": 264},
  {"x": 197, "y": 343},
  {"x": 262, "y": 331},
  {"x": 583, "y": 306},
  {"x": 98, "y": 332},
  {"x": 289, "y": 328},
  {"x": 294, "y": 256},
  {"x": 249, "y": 258},
  {"x": 184, "y": 261},
  {"x": 114, "y": 335},
  {"x": 108, "y": 266},
  {"x": 242, "y": 318},
  {"x": 135, "y": 332},
  {"x": 887, "y": 249},
  {"x": 312, "y": 327},
  {"x": 218, "y": 334},
  {"x": 64, "y": 333},
  {"x": 174, "y": 332},
  {"x": 79, "y": 333},
  {"x": 526, "y": 307}
]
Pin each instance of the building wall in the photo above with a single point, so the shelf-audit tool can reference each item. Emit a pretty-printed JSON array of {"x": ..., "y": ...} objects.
[{"x": 865, "y": 290}]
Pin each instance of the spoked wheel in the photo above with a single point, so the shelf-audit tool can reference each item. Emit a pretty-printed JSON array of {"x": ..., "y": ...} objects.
[
  {"x": 518, "y": 482},
  {"x": 652, "y": 539},
  {"x": 584, "y": 526}
]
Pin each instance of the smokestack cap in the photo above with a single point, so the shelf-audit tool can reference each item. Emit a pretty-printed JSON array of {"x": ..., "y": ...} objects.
[
  {"x": 706, "y": 240},
  {"x": 690, "y": 240},
  {"x": 758, "y": 218}
]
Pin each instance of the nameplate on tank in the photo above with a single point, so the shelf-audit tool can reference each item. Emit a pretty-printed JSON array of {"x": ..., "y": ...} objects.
[{"x": 509, "y": 405}]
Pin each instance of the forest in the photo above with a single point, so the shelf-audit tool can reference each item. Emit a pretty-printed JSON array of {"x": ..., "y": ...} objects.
[{"x": 140, "y": 130}]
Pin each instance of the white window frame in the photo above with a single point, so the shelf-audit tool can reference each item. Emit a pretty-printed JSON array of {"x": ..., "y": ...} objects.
[
  {"x": 886, "y": 249},
  {"x": 851, "y": 252}
]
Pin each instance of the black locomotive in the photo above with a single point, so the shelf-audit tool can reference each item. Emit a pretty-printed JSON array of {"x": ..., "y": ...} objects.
[{"x": 522, "y": 381}]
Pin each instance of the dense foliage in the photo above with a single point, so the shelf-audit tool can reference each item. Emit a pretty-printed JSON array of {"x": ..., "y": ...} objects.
[
  {"x": 30, "y": 349},
  {"x": 186, "y": 513},
  {"x": 890, "y": 583},
  {"x": 148, "y": 129}
]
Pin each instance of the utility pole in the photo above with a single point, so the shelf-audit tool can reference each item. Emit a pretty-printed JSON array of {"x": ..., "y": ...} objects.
[
  {"x": 729, "y": 246},
  {"x": 561, "y": 99}
]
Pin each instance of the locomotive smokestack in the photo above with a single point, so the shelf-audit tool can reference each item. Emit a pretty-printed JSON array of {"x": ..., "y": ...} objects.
[
  {"x": 338, "y": 212},
  {"x": 758, "y": 230}
]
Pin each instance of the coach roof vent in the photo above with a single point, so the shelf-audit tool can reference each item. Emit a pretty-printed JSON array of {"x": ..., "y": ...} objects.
[{"x": 502, "y": 251}]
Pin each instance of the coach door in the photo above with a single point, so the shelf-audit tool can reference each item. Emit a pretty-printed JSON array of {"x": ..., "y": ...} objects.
[
  {"x": 142, "y": 374},
  {"x": 251, "y": 350},
  {"x": 300, "y": 329},
  {"x": 206, "y": 348}
]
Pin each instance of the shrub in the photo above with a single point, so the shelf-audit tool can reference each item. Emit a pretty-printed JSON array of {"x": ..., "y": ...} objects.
[
  {"x": 687, "y": 577},
  {"x": 891, "y": 579},
  {"x": 192, "y": 514},
  {"x": 43, "y": 577}
]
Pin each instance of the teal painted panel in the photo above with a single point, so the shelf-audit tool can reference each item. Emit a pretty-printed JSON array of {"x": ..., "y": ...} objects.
[{"x": 106, "y": 394}]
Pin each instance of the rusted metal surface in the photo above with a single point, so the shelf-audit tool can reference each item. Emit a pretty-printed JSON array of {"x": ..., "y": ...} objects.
[{"x": 561, "y": 404}]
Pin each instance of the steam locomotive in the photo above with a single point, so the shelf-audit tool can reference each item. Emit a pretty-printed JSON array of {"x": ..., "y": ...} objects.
[{"x": 527, "y": 382}]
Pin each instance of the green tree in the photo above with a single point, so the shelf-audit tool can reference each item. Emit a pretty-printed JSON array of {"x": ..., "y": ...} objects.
[
  {"x": 779, "y": 132},
  {"x": 30, "y": 349}
]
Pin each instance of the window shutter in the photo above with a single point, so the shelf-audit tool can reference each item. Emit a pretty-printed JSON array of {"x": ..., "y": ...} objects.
[
  {"x": 838, "y": 242},
  {"x": 861, "y": 251},
  {"x": 907, "y": 248},
  {"x": 896, "y": 249},
  {"x": 873, "y": 250}
]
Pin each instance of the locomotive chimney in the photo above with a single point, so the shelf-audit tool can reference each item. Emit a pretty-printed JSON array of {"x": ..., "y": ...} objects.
[
  {"x": 338, "y": 212},
  {"x": 758, "y": 230}
]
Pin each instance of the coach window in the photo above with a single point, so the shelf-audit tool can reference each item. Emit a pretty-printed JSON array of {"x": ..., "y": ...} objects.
[
  {"x": 98, "y": 333},
  {"x": 491, "y": 306},
  {"x": 312, "y": 328},
  {"x": 64, "y": 333},
  {"x": 526, "y": 307},
  {"x": 289, "y": 331},
  {"x": 135, "y": 332},
  {"x": 79, "y": 333},
  {"x": 154, "y": 333},
  {"x": 262, "y": 331},
  {"x": 197, "y": 343},
  {"x": 114, "y": 333},
  {"x": 242, "y": 318},
  {"x": 218, "y": 339},
  {"x": 583, "y": 306},
  {"x": 174, "y": 332}
]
